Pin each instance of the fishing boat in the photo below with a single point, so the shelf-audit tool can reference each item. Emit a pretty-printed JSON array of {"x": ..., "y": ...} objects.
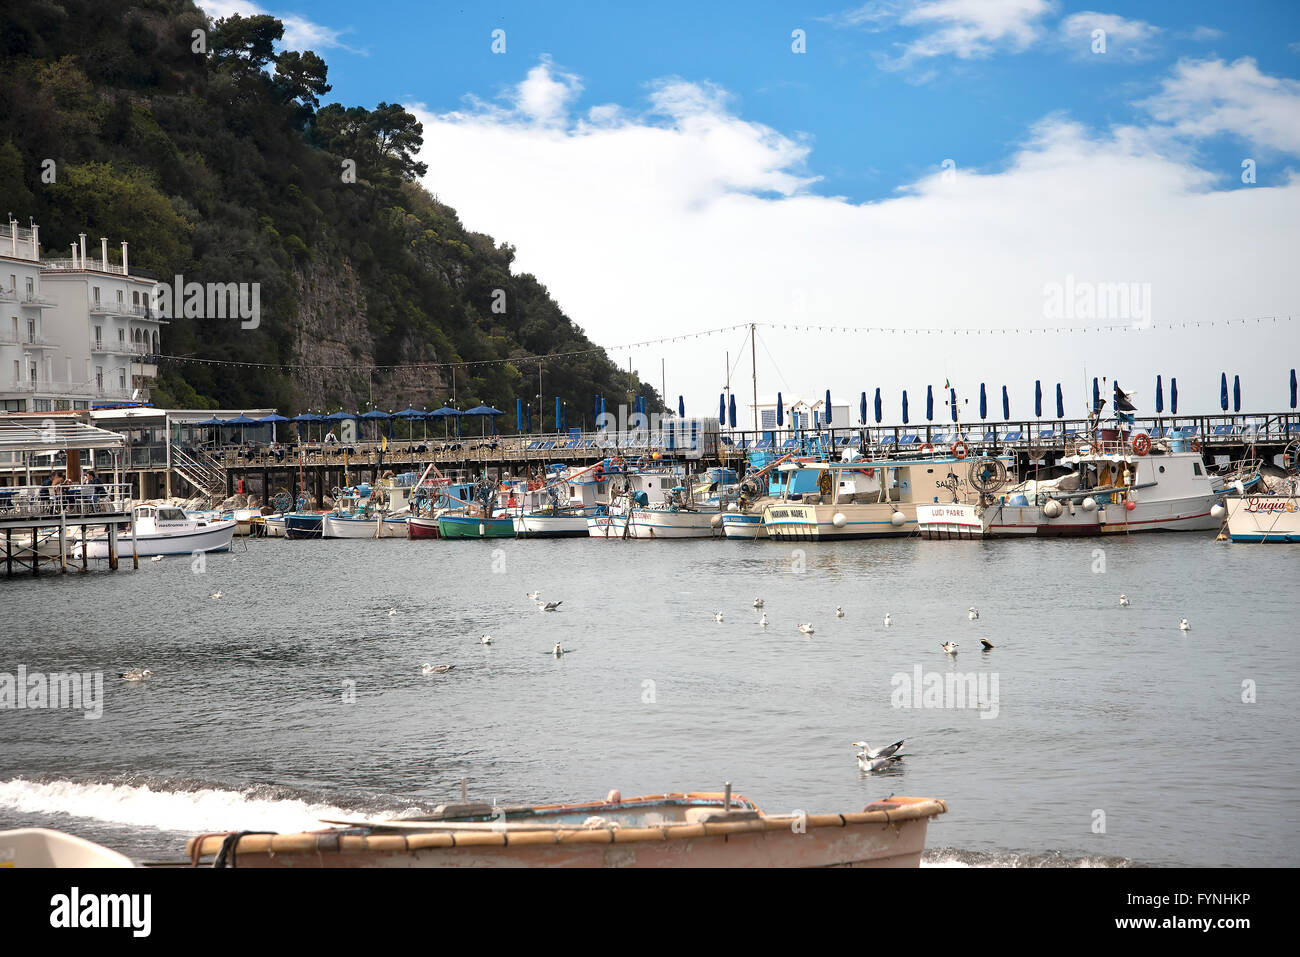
[
  {"x": 652, "y": 498},
  {"x": 28, "y": 847},
  {"x": 662, "y": 830},
  {"x": 161, "y": 530},
  {"x": 863, "y": 498},
  {"x": 558, "y": 505},
  {"x": 353, "y": 515},
  {"x": 1111, "y": 487},
  {"x": 479, "y": 517},
  {"x": 300, "y": 525},
  {"x": 274, "y": 525},
  {"x": 1271, "y": 513},
  {"x": 762, "y": 486}
]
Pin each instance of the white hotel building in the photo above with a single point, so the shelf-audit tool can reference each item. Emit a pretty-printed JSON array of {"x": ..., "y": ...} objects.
[{"x": 74, "y": 332}]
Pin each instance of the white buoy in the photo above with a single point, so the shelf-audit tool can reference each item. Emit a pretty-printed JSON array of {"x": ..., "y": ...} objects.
[
  {"x": 897, "y": 519},
  {"x": 1052, "y": 509},
  {"x": 1090, "y": 504},
  {"x": 839, "y": 520},
  {"x": 1217, "y": 511}
]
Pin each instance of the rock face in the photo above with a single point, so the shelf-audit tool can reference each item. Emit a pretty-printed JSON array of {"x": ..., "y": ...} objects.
[{"x": 334, "y": 336}]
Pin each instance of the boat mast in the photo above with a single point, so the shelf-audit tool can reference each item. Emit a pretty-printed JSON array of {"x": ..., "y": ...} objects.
[{"x": 753, "y": 361}]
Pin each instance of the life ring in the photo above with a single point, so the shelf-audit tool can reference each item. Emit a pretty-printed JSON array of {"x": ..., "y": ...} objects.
[
  {"x": 964, "y": 449},
  {"x": 597, "y": 472},
  {"x": 926, "y": 448},
  {"x": 1141, "y": 443}
]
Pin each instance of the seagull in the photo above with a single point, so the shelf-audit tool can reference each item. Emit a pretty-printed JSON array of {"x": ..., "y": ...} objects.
[
  {"x": 763, "y": 621},
  {"x": 717, "y": 616},
  {"x": 485, "y": 640},
  {"x": 950, "y": 647},
  {"x": 1123, "y": 601},
  {"x": 156, "y": 558},
  {"x": 806, "y": 628},
  {"x": 392, "y": 612},
  {"x": 888, "y": 621},
  {"x": 215, "y": 594},
  {"x": 548, "y": 605},
  {"x": 557, "y": 650},
  {"x": 986, "y": 643},
  {"x": 972, "y": 613},
  {"x": 758, "y": 603},
  {"x": 869, "y": 752},
  {"x": 534, "y": 595},
  {"x": 1184, "y": 626},
  {"x": 839, "y": 612},
  {"x": 429, "y": 669},
  {"x": 135, "y": 674}
]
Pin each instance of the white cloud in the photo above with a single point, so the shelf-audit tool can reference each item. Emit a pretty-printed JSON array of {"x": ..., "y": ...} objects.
[
  {"x": 966, "y": 29},
  {"x": 1206, "y": 98},
  {"x": 1127, "y": 39},
  {"x": 1204, "y": 34},
  {"x": 299, "y": 32},
  {"x": 546, "y": 93},
  {"x": 677, "y": 215}
]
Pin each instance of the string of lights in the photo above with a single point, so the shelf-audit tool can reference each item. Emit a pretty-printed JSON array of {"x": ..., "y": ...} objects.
[{"x": 774, "y": 326}]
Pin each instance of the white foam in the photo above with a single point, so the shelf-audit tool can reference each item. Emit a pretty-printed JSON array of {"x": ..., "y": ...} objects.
[{"x": 207, "y": 809}]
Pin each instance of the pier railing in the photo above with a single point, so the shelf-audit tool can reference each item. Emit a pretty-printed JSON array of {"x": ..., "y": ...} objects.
[{"x": 71, "y": 503}]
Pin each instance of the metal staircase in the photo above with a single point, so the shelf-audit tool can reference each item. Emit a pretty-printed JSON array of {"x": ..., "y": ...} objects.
[{"x": 207, "y": 475}]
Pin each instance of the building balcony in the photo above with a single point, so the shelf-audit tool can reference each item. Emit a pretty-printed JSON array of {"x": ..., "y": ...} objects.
[
  {"x": 9, "y": 295},
  {"x": 73, "y": 265},
  {"x": 35, "y": 300}
]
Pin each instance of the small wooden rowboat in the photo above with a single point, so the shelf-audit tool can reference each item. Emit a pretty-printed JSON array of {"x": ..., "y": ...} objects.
[{"x": 667, "y": 830}]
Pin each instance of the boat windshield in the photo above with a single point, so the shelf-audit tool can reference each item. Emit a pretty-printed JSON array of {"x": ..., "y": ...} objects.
[{"x": 170, "y": 515}]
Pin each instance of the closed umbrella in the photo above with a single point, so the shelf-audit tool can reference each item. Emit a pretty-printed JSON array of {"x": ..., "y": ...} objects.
[
  {"x": 984, "y": 403},
  {"x": 519, "y": 415},
  {"x": 780, "y": 411},
  {"x": 1006, "y": 405},
  {"x": 1236, "y": 393},
  {"x": 862, "y": 408},
  {"x": 733, "y": 410},
  {"x": 879, "y": 412},
  {"x": 602, "y": 411},
  {"x": 1223, "y": 391},
  {"x": 929, "y": 403},
  {"x": 952, "y": 402},
  {"x": 559, "y": 414},
  {"x": 681, "y": 407},
  {"x": 1060, "y": 402},
  {"x": 1096, "y": 396},
  {"x": 905, "y": 407},
  {"x": 1173, "y": 396},
  {"x": 1038, "y": 398},
  {"x": 722, "y": 408},
  {"x": 1160, "y": 396},
  {"x": 528, "y": 419},
  {"x": 1293, "y": 390},
  {"x": 828, "y": 406}
]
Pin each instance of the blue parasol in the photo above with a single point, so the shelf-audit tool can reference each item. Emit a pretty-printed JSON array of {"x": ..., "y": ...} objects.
[
  {"x": 905, "y": 407},
  {"x": 1060, "y": 402},
  {"x": 681, "y": 407},
  {"x": 780, "y": 411},
  {"x": 1236, "y": 393},
  {"x": 1096, "y": 396},
  {"x": 862, "y": 408},
  {"x": 929, "y": 403},
  {"x": 1038, "y": 398},
  {"x": 828, "y": 407},
  {"x": 984, "y": 402},
  {"x": 1173, "y": 396},
  {"x": 1223, "y": 391},
  {"x": 733, "y": 410},
  {"x": 952, "y": 402},
  {"x": 1006, "y": 405},
  {"x": 879, "y": 411},
  {"x": 1160, "y": 396},
  {"x": 1293, "y": 392}
]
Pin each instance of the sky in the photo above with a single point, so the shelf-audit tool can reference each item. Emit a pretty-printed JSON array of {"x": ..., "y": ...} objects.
[{"x": 976, "y": 175}]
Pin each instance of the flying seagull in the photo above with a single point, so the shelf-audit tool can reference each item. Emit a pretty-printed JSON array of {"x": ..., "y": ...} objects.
[
  {"x": 135, "y": 674},
  {"x": 392, "y": 612},
  {"x": 950, "y": 647}
]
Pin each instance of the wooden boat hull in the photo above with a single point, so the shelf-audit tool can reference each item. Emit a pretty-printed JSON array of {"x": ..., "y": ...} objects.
[
  {"x": 463, "y": 526},
  {"x": 303, "y": 526},
  {"x": 743, "y": 525},
  {"x": 794, "y": 522},
  {"x": 1020, "y": 521},
  {"x": 1264, "y": 518},
  {"x": 422, "y": 528},
  {"x": 550, "y": 526},
  {"x": 889, "y": 833}
]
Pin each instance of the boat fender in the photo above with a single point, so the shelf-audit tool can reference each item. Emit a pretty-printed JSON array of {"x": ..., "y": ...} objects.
[
  {"x": 1141, "y": 443},
  {"x": 716, "y": 521},
  {"x": 1130, "y": 505},
  {"x": 839, "y": 520},
  {"x": 1052, "y": 509},
  {"x": 960, "y": 449},
  {"x": 1218, "y": 511},
  {"x": 1090, "y": 504},
  {"x": 897, "y": 519}
]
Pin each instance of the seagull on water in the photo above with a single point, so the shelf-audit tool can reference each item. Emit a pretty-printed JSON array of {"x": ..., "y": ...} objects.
[
  {"x": 986, "y": 643},
  {"x": 215, "y": 594},
  {"x": 557, "y": 650},
  {"x": 1184, "y": 625},
  {"x": 485, "y": 640},
  {"x": 429, "y": 669},
  {"x": 950, "y": 647},
  {"x": 717, "y": 616},
  {"x": 758, "y": 603},
  {"x": 548, "y": 605},
  {"x": 534, "y": 595},
  {"x": 156, "y": 558},
  {"x": 876, "y": 759},
  {"x": 870, "y": 752},
  {"x": 839, "y": 612},
  {"x": 888, "y": 621},
  {"x": 135, "y": 674},
  {"x": 763, "y": 621},
  {"x": 1123, "y": 601},
  {"x": 972, "y": 613},
  {"x": 806, "y": 628},
  {"x": 392, "y": 612}
]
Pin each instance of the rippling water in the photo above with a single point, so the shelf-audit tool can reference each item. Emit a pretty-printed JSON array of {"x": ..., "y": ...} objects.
[{"x": 1100, "y": 710}]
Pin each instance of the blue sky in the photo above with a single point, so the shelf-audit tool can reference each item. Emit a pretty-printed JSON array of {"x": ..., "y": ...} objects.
[{"x": 666, "y": 169}]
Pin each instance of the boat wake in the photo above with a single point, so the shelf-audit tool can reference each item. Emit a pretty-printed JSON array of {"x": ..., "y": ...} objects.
[
  {"x": 164, "y": 806},
  {"x": 952, "y": 857}
]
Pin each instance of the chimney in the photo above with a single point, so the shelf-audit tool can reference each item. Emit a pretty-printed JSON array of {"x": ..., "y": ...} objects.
[
  {"x": 36, "y": 242},
  {"x": 125, "y": 271},
  {"x": 74, "y": 255},
  {"x": 83, "y": 249},
  {"x": 13, "y": 237},
  {"x": 103, "y": 249}
]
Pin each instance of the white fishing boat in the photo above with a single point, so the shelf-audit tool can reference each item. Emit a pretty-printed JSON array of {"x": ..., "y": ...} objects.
[
  {"x": 633, "y": 483},
  {"x": 693, "y": 509},
  {"x": 864, "y": 499},
  {"x": 744, "y": 519},
  {"x": 28, "y": 847},
  {"x": 162, "y": 530},
  {"x": 274, "y": 525},
  {"x": 1113, "y": 487},
  {"x": 1270, "y": 513},
  {"x": 559, "y": 505}
]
